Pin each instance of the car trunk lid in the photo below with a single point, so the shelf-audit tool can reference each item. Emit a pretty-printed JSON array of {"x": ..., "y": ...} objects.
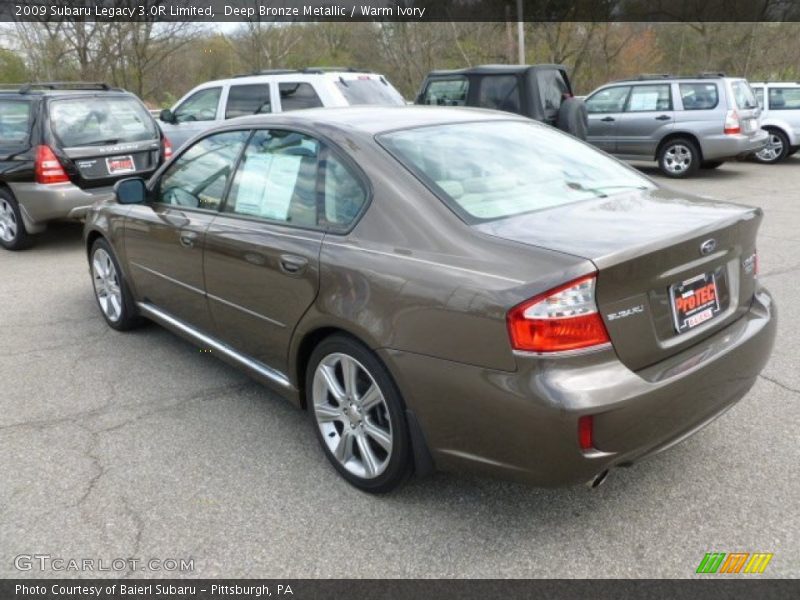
[
  {"x": 102, "y": 165},
  {"x": 653, "y": 251}
]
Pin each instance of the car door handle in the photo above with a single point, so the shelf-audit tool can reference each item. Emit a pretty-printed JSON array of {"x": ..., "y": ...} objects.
[
  {"x": 663, "y": 118},
  {"x": 608, "y": 120},
  {"x": 292, "y": 264},
  {"x": 188, "y": 239}
]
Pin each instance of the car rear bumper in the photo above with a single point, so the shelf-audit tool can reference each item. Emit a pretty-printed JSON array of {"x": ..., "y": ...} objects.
[
  {"x": 40, "y": 203},
  {"x": 523, "y": 424},
  {"x": 723, "y": 146}
]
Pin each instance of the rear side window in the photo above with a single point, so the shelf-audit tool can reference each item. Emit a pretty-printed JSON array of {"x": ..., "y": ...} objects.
[
  {"x": 247, "y": 100},
  {"x": 650, "y": 98},
  {"x": 100, "y": 120},
  {"x": 699, "y": 96},
  {"x": 609, "y": 100},
  {"x": 200, "y": 106},
  {"x": 500, "y": 92},
  {"x": 553, "y": 89},
  {"x": 784, "y": 98},
  {"x": 368, "y": 90},
  {"x": 15, "y": 122},
  {"x": 344, "y": 194},
  {"x": 743, "y": 95},
  {"x": 446, "y": 92},
  {"x": 295, "y": 96}
]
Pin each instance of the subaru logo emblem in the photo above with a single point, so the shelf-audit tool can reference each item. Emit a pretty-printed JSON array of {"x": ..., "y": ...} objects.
[{"x": 708, "y": 246}]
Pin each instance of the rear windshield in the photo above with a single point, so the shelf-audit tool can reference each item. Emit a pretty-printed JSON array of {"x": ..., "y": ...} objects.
[
  {"x": 368, "y": 90},
  {"x": 743, "y": 95},
  {"x": 15, "y": 122},
  {"x": 491, "y": 170},
  {"x": 100, "y": 120}
]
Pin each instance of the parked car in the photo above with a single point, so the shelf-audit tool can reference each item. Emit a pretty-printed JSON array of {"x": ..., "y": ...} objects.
[
  {"x": 273, "y": 91},
  {"x": 540, "y": 92},
  {"x": 780, "y": 116},
  {"x": 683, "y": 123},
  {"x": 63, "y": 146},
  {"x": 448, "y": 288}
]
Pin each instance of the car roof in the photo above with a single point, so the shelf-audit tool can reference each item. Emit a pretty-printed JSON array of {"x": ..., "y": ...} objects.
[
  {"x": 495, "y": 69},
  {"x": 290, "y": 75},
  {"x": 780, "y": 83},
  {"x": 373, "y": 120}
]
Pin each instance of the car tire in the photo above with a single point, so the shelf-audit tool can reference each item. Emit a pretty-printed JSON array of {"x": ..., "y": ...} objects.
[
  {"x": 792, "y": 151},
  {"x": 111, "y": 291},
  {"x": 776, "y": 150},
  {"x": 13, "y": 235},
  {"x": 679, "y": 157},
  {"x": 358, "y": 415},
  {"x": 711, "y": 164},
  {"x": 573, "y": 117}
]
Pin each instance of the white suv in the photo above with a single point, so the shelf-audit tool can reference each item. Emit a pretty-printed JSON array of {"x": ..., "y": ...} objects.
[
  {"x": 780, "y": 116},
  {"x": 272, "y": 91}
]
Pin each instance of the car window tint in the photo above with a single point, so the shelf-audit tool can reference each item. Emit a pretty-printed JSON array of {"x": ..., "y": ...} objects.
[
  {"x": 649, "y": 98},
  {"x": 784, "y": 98},
  {"x": 759, "y": 92},
  {"x": 497, "y": 169},
  {"x": 699, "y": 96},
  {"x": 499, "y": 92},
  {"x": 344, "y": 194},
  {"x": 15, "y": 121},
  {"x": 100, "y": 120},
  {"x": 609, "y": 100},
  {"x": 743, "y": 95},
  {"x": 276, "y": 179},
  {"x": 295, "y": 96},
  {"x": 446, "y": 92},
  {"x": 552, "y": 88},
  {"x": 200, "y": 106},
  {"x": 247, "y": 100},
  {"x": 198, "y": 177}
]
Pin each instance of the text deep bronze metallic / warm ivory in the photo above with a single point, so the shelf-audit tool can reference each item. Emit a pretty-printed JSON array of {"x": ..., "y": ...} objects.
[{"x": 499, "y": 297}]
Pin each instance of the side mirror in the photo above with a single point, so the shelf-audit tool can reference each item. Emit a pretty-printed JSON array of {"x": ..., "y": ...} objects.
[
  {"x": 131, "y": 191},
  {"x": 167, "y": 116}
]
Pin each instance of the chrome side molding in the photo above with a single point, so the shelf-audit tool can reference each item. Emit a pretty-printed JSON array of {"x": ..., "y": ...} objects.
[{"x": 201, "y": 338}]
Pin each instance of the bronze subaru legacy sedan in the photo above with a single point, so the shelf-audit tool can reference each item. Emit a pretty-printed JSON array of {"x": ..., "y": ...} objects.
[{"x": 444, "y": 288}]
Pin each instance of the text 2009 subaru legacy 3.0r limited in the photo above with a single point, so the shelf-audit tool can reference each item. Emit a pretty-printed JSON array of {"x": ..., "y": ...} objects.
[{"x": 444, "y": 288}]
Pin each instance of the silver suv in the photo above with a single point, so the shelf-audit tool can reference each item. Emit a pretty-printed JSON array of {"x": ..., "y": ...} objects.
[
  {"x": 272, "y": 91},
  {"x": 780, "y": 116},
  {"x": 684, "y": 123}
]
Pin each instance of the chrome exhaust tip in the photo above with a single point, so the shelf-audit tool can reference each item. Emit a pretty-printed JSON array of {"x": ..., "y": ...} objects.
[{"x": 598, "y": 480}]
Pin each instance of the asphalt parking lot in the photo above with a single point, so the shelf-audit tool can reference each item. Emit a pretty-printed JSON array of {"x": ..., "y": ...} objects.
[{"x": 137, "y": 445}]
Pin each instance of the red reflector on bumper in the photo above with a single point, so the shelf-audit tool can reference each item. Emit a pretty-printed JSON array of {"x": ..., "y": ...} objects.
[{"x": 586, "y": 432}]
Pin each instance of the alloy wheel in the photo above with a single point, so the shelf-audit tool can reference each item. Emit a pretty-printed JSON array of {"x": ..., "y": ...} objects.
[
  {"x": 352, "y": 415},
  {"x": 773, "y": 150},
  {"x": 106, "y": 285},
  {"x": 678, "y": 158},
  {"x": 8, "y": 221}
]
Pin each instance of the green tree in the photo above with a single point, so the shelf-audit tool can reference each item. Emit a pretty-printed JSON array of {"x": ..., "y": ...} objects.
[{"x": 12, "y": 67}]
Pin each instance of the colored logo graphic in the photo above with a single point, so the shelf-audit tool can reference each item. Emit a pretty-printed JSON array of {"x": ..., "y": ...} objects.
[{"x": 734, "y": 562}]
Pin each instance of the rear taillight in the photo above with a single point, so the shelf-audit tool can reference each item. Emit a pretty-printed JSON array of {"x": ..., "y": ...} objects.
[
  {"x": 167, "y": 148},
  {"x": 47, "y": 167},
  {"x": 565, "y": 318},
  {"x": 732, "y": 123}
]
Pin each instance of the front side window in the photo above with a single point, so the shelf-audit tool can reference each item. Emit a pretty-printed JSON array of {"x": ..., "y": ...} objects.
[
  {"x": 552, "y": 88},
  {"x": 446, "y": 92},
  {"x": 609, "y": 100},
  {"x": 15, "y": 122},
  {"x": 650, "y": 98},
  {"x": 247, "y": 100},
  {"x": 699, "y": 96},
  {"x": 200, "y": 106},
  {"x": 100, "y": 120},
  {"x": 296, "y": 96},
  {"x": 277, "y": 179},
  {"x": 501, "y": 168},
  {"x": 743, "y": 95},
  {"x": 759, "y": 92},
  {"x": 198, "y": 177},
  {"x": 500, "y": 92},
  {"x": 784, "y": 98}
]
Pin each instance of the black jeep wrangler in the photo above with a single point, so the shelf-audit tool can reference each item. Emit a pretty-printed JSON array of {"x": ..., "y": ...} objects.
[{"x": 540, "y": 92}]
